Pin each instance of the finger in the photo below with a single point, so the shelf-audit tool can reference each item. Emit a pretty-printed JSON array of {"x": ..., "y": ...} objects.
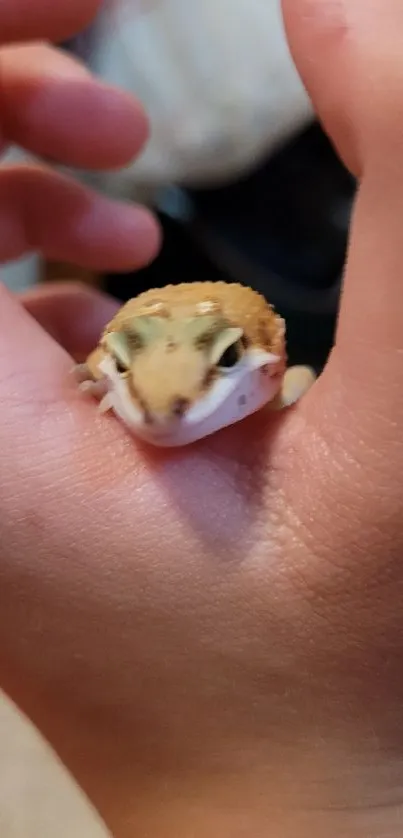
[
  {"x": 72, "y": 313},
  {"x": 50, "y": 436},
  {"x": 42, "y": 413},
  {"x": 45, "y": 211},
  {"x": 319, "y": 38},
  {"x": 32, "y": 364},
  {"x": 51, "y": 105},
  {"x": 350, "y": 56},
  {"x": 22, "y": 20}
]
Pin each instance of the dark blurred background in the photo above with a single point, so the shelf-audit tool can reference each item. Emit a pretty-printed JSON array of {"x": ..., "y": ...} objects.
[{"x": 283, "y": 230}]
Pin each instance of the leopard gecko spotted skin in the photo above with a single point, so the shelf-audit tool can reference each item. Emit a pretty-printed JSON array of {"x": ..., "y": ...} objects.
[{"x": 181, "y": 362}]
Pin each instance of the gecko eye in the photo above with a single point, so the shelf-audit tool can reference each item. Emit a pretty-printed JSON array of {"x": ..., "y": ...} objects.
[
  {"x": 231, "y": 356},
  {"x": 120, "y": 367},
  {"x": 118, "y": 346}
]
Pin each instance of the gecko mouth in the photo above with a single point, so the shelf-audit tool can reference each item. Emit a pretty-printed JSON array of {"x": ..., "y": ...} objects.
[{"x": 236, "y": 394}]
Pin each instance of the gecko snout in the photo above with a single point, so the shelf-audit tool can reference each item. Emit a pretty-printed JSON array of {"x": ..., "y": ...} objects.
[
  {"x": 179, "y": 406},
  {"x": 173, "y": 411}
]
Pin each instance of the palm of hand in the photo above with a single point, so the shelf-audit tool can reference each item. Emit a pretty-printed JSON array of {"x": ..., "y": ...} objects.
[{"x": 215, "y": 607}]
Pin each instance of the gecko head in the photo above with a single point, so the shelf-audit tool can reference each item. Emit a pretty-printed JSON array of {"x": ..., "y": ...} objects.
[{"x": 175, "y": 380}]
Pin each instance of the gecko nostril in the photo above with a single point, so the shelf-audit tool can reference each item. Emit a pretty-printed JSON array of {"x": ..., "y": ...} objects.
[{"x": 179, "y": 406}]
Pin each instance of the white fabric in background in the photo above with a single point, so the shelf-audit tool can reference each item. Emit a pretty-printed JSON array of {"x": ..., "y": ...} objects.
[{"x": 216, "y": 78}]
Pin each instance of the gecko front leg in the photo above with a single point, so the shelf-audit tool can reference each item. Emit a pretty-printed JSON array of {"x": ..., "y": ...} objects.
[
  {"x": 97, "y": 388},
  {"x": 297, "y": 381}
]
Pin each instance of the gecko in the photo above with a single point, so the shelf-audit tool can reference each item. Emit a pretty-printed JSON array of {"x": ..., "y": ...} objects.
[{"x": 181, "y": 362}]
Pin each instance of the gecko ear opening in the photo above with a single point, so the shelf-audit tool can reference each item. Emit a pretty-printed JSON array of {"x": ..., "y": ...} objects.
[{"x": 227, "y": 348}]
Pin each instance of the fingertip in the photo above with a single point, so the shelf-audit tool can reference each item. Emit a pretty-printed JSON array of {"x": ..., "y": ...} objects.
[
  {"x": 56, "y": 21},
  {"x": 57, "y": 110},
  {"x": 73, "y": 313},
  {"x": 46, "y": 211},
  {"x": 116, "y": 236},
  {"x": 320, "y": 34},
  {"x": 28, "y": 355},
  {"x": 150, "y": 236}
]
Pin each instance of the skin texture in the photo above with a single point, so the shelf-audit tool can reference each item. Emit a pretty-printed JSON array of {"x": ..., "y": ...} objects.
[
  {"x": 162, "y": 362},
  {"x": 212, "y": 639},
  {"x": 44, "y": 102}
]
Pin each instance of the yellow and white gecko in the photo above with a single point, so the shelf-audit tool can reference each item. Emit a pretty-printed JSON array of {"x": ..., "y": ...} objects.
[{"x": 179, "y": 363}]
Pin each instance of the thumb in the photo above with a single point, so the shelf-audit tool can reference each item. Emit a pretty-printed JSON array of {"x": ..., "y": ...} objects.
[{"x": 349, "y": 55}]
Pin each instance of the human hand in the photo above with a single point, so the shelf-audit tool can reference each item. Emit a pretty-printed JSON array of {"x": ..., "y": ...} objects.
[
  {"x": 50, "y": 105},
  {"x": 211, "y": 639}
]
